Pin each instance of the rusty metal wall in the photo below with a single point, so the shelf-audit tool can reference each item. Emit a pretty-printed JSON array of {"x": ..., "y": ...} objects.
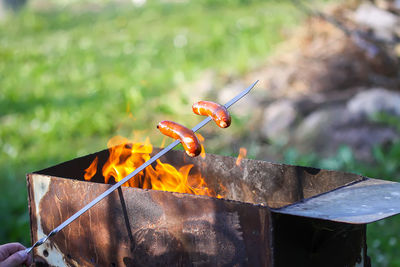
[{"x": 135, "y": 227}]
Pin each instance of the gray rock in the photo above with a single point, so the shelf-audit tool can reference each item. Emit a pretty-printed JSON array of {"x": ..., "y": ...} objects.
[
  {"x": 375, "y": 100},
  {"x": 278, "y": 118},
  {"x": 362, "y": 138},
  {"x": 324, "y": 131},
  {"x": 382, "y": 22},
  {"x": 314, "y": 130}
]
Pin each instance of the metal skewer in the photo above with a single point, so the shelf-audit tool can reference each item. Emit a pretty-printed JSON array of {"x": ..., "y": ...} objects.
[{"x": 132, "y": 174}]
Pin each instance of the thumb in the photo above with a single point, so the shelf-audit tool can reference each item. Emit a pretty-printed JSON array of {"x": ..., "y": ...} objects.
[{"x": 15, "y": 259}]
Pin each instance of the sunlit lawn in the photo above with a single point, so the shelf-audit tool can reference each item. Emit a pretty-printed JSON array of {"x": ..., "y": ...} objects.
[{"x": 70, "y": 77}]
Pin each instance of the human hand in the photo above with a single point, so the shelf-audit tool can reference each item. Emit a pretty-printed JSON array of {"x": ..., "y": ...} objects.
[{"x": 13, "y": 255}]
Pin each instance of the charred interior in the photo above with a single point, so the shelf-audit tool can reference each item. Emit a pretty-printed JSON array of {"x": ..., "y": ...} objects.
[
  {"x": 253, "y": 181},
  {"x": 136, "y": 227}
]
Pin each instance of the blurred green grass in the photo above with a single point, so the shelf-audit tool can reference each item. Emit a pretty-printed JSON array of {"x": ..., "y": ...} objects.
[{"x": 68, "y": 76}]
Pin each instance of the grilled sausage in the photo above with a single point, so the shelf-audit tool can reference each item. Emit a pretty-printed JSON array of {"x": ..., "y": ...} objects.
[
  {"x": 187, "y": 137},
  {"x": 217, "y": 112}
]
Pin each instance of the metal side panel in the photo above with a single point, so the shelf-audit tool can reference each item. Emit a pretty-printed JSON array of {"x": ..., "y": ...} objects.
[
  {"x": 136, "y": 227},
  {"x": 300, "y": 241},
  {"x": 359, "y": 203}
]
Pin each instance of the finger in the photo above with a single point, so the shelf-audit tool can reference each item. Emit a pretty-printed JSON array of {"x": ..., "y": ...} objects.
[
  {"x": 29, "y": 260},
  {"x": 8, "y": 249},
  {"x": 16, "y": 259}
]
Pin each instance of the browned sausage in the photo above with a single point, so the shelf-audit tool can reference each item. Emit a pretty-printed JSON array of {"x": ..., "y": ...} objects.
[
  {"x": 217, "y": 112},
  {"x": 187, "y": 137}
]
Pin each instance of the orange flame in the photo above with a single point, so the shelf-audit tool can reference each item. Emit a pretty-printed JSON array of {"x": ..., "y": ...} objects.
[
  {"x": 242, "y": 154},
  {"x": 203, "y": 151},
  {"x": 91, "y": 170},
  {"x": 125, "y": 157},
  {"x": 223, "y": 191},
  {"x": 163, "y": 142}
]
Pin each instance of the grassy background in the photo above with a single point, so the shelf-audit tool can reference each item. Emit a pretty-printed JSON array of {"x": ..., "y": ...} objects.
[{"x": 70, "y": 76}]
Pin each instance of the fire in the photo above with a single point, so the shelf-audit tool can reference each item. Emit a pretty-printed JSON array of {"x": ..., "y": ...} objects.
[
  {"x": 201, "y": 139},
  {"x": 91, "y": 170},
  {"x": 126, "y": 156},
  {"x": 242, "y": 154}
]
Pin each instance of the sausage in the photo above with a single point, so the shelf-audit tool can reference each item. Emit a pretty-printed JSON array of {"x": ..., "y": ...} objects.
[
  {"x": 216, "y": 111},
  {"x": 189, "y": 140}
]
